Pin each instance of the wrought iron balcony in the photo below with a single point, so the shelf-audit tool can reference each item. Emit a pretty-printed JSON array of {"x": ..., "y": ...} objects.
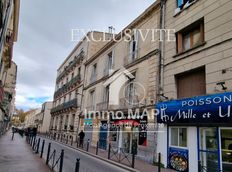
[
  {"x": 102, "y": 106},
  {"x": 78, "y": 59},
  {"x": 90, "y": 108},
  {"x": 129, "y": 102},
  {"x": 131, "y": 57},
  {"x": 65, "y": 87},
  {"x": 93, "y": 78},
  {"x": 65, "y": 106}
]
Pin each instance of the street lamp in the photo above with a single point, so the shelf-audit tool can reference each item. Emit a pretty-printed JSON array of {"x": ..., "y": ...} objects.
[{"x": 80, "y": 111}]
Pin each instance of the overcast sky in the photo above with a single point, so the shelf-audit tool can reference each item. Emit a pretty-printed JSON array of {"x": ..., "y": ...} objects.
[{"x": 44, "y": 39}]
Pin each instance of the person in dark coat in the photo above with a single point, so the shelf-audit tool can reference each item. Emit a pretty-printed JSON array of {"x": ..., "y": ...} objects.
[{"x": 81, "y": 138}]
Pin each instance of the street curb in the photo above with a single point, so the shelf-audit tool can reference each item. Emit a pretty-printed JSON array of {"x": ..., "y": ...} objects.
[{"x": 96, "y": 156}]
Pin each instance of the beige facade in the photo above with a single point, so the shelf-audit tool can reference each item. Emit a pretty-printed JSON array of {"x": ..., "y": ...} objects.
[
  {"x": 30, "y": 119},
  {"x": 139, "y": 57},
  {"x": 44, "y": 117},
  {"x": 69, "y": 88},
  {"x": 9, "y": 18},
  {"x": 207, "y": 49}
]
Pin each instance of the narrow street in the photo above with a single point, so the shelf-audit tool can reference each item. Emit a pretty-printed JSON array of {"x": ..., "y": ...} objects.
[{"x": 87, "y": 162}]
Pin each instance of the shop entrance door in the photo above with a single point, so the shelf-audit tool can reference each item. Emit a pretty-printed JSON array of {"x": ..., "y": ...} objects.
[
  {"x": 226, "y": 149},
  {"x": 209, "y": 158},
  {"x": 103, "y": 135}
]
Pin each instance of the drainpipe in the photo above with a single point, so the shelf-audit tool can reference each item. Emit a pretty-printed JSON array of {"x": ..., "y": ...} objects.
[
  {"x": 82, "y": 91},
  {"x": 161, "y": 67}
]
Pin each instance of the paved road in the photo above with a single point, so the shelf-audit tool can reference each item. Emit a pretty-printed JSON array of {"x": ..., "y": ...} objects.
[{"x": 87, "y": 162}]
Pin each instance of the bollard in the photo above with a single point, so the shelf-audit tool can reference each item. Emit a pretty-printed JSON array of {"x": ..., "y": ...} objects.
[
  {"x": 133, "y": 160},
  {"x": 159, "y": 162},
  {"x": 48, "y": 153},
  {"x": 109, "y": 151},
  {"x": 12, "y": 138},
  {"x": 33, "y": 142},
  {"x": 37, "y": 149},
  {"x": 61, "y": 160},
  {"x": 87, "y": 149},
  {"x": 199, "y": 166},
  {"x": 72, "y": 141},
  {"x": 77, "y": 168},
  {"x": 42, "y": 149},
  {"x": 97, "y": 147}
]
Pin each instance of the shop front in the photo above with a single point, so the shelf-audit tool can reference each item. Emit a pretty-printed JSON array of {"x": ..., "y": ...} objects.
[
  {"x": 198, "y": 133},
  {"x": 127, "y": 133}
]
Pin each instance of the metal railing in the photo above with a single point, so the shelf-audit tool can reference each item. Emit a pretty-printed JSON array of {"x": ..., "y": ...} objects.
[
  {"x": 102, "y": 106},
  {"x": 76, "y": 60},
  {"x": 70, "y": 104},
  {"x": 129, "y": 102},
  {"x": 65, "y": 87},
  {"x": 131, "y": 57}
]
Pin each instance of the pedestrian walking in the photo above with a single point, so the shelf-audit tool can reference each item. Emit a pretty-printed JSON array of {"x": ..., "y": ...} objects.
[{"x": 81, "y": 138}]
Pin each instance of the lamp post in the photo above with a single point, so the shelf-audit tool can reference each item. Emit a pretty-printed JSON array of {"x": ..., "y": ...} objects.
[{"x": 80, "y": 112}]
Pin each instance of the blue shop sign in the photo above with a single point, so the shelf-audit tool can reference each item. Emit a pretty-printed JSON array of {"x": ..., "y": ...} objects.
[{"x": 208, "y": 109}]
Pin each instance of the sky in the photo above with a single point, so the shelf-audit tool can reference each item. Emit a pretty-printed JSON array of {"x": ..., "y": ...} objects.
[{"x": 44, "y": 39}]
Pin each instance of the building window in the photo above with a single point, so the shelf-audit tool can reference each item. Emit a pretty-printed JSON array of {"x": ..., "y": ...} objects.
[
  {"x": 190, "y": 37},
  {"x": 70, "y": 96},
  {"x": 72, "y": 75},
  {"x": 92, "y": 99},
  {"x": 94, "y": 73},
  {"x": 133, "y": 47},
  {"x": 64, "y": 99},
  {"x": 79, "y": 71},
  {"x": 178, "y": 137},
  {"x": 109, "y": 63},
  {"x": 185, "y": 86}
]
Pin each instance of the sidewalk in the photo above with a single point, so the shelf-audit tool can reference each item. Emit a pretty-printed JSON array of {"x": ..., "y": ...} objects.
[
  {"x": 140, "y": 165},
  {"x": 17, "y": 156}
]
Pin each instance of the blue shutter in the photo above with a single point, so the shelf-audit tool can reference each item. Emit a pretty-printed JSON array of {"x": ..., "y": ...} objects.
[{"x": 180, "y": 3}]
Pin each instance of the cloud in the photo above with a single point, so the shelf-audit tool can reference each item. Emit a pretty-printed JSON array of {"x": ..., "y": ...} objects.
[{"x": 45, "y": 38}]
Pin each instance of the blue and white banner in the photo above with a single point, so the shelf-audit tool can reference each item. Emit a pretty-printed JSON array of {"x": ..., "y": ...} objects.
[{"x": 215, "y": 108}]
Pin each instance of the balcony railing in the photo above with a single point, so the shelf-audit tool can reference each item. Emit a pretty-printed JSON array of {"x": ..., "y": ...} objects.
[
  {"x": 65, "y": 87},
  {"x": 131, "y": 57},
  {"x": 102, "y": 106},
  {"x": 129, "y": 102},
  {"x": 67, "y": 105},
  {"x": 91, "y": 108},
  {"x": 93, "y": 78},
  {"x": 76, "y": 60}
]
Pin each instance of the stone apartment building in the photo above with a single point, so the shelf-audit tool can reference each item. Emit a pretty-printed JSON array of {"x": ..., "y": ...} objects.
[
  {"x": 69, "y": 87},
  {"x": 44, "y": 117},
  {"x": 9, "y": 18},
  {"x": 8, "y": 103},
  {"x": 197, "y": 135},
  {"x": 30, "y": 119},
  {"x": 122, "y": 75}
]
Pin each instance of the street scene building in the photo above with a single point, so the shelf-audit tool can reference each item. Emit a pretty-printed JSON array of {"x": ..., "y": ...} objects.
[
  {"x": 155, "y": 96},
  {"x": 9, "y": 18},
  {"x": 115, "y": 81},
  {"x": 69, "y": 89},
  {"x": 197, "y": 83},
  {"x": 30, "y": 119},
  {"x": 42, "y": 119}
]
